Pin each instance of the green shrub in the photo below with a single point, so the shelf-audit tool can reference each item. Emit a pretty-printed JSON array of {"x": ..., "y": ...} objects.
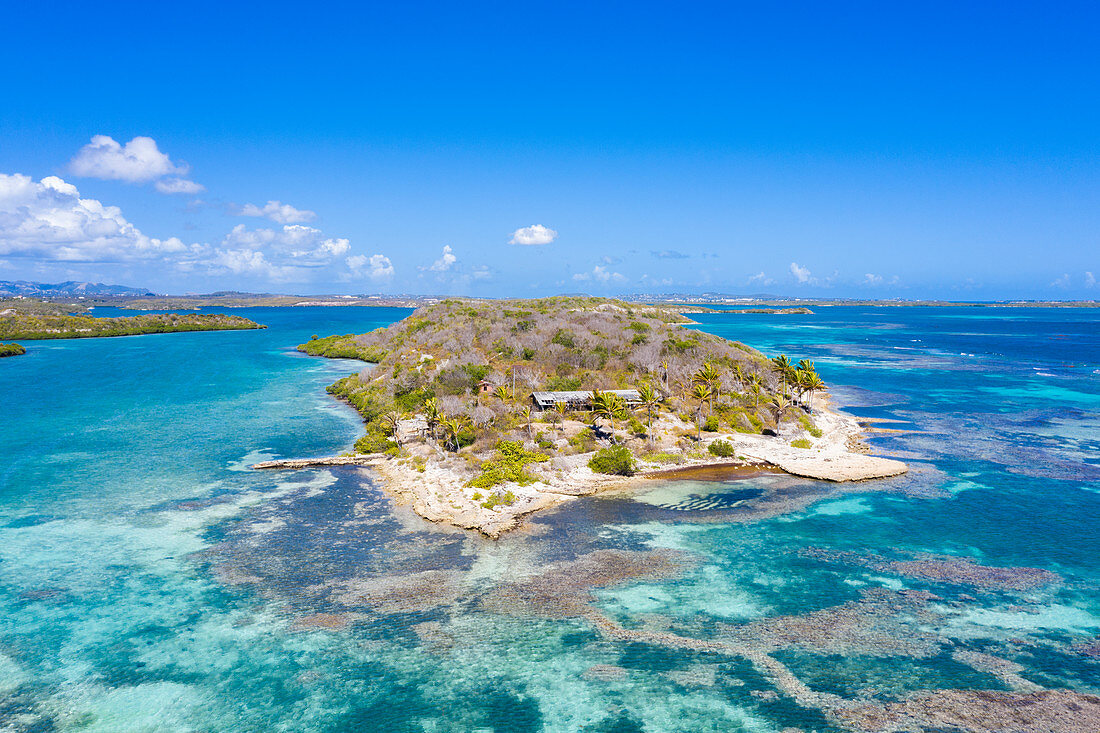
[
  {"x": 507, "y": 465},
  {"x": 636, "y": 427},
  {"x": 662, "y": 457},
  {"x": 546, "y": 444},
  {"x": 721, "y": 448},
  {"x": 712, "y": 425},
  {"x": 495, "y": 500},
  {"x": 564, "y": 338},
  {"x": 563, "y": 384},
  {"x": 809, "y": 426},
  {"x": 374, "y": 442},
  {"x": 801, "y": 443},
  {"x": 617, "y": 461},
  {"x": 584, "y": 441}
]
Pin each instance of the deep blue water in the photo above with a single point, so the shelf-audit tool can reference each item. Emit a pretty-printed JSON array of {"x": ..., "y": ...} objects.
[{"x": 150, "y": 582}]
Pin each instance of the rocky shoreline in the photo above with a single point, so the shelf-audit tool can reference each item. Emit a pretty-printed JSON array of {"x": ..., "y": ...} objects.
[{"x": 440, "y": 493}]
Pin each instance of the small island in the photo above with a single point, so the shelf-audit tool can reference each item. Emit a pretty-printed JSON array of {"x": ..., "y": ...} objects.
[
  {"x": 32, "y": 320},
  {"x": 481, "y": 412},
  {"x": 11, "y": 350}
]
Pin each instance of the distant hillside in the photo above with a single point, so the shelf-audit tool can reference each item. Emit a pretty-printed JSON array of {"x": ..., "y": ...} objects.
[{"x": 66, "y": 289}]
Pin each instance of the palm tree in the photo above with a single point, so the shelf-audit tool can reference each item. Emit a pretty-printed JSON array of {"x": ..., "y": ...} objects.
[
  {"x": 702, "y": 393},
  {"x": 650, "y": 403},
  {"x": 562, "y": 409},
  {"x": 813, "y": 384},
  {"x": 781, "y": 365},
  {"x": 390, "y": 420},
  {"x": 608, "y": 405},
  {"x": 664, "y": 373},
  {"x": 739, "y": 376},
  {"x": 431, "y": 414},
  {"x": 526, "y": 413},
  {"x": 754, "y": 388},
  {"x": 452, "y": 426},
  {"x": 502, "y": 393},
  {"x": 708, "y": 375},
  {"x": 780, "y": 405}
]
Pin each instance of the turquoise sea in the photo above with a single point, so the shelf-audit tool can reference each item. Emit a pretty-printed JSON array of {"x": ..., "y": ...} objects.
[{"x": 150, "y": 582}]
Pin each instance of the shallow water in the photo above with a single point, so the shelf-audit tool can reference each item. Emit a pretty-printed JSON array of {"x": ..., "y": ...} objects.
[{"x": 149, "y": 581}]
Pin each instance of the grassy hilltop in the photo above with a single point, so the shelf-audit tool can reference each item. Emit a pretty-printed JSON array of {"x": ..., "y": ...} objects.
[{"x": 431, "y": 363}]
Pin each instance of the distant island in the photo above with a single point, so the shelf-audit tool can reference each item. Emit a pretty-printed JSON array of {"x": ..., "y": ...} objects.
[
  {"x": 771, "y": 311},
  {"x": 480, "y": 412},
  {"x": 30, "y": 320},
  {"x": 11, "y": 350}
]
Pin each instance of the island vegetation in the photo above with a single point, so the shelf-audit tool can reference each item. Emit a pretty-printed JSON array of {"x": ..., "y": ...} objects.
[
  {"x": 11, "y": 350},
  {"x": 450, "y": 417},
  {"x": 21, "y": 322}
]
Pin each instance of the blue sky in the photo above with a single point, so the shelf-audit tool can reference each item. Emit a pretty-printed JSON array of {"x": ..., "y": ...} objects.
[{"x": 843, "y": 149}]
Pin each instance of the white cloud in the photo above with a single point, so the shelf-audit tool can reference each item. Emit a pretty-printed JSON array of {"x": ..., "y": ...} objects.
[
  {"x": 801, "y": 274},
  {"x": 289, "y": 254},
  {"x": 375, "y": 267},
  {"x": 533, "y": 235},
  {"x": 278, "y": 212},
  {"x": 761, "y": 278},
  {"x": 1090, "y": 280},
  {"x": 178, "y": 185},
  {"x": 296, "y": 244},
  {"x": 1062, "y": 282},
  {"x": 50, "y": 221},
  {"x": 138, "y": 161},
  {"x": 600, "y": 274},
  {"x": 872, "y": 279},
  {"x": 481, "y": 272},
  {"x": 446, "y": 262}
]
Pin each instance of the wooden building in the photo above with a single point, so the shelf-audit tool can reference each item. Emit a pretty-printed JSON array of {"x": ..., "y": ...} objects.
[{"x": 579, "y": 400}]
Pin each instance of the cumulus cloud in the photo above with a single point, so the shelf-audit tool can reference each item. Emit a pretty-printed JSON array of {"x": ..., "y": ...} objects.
[
  {"x": 801, "y": 274},
  {"x": 761, "y": 279},
  {"x": 178, "y": 185},
  {"x": 278, "y": 212},
  {"x": 1062, "y": 282},
  {"x": 669, "y": 254},
  {"x": 138, "y": 161},
  {"x": 872, "y": 279},
  {"x": 49, "y": 220},
  {"x": 296, "y": 244},
  {"x": 1090, "y": 280},
  {"x": 600, "y": 274},
  {"x": 533, "y": 235},
  {"x": 446, "y": 261},
  {"x": 282, "y": 255},
  {"x": 375, "y": 267}
]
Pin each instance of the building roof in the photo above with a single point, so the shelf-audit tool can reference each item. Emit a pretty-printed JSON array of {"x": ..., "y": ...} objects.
[{"x": 580, "y": 397}]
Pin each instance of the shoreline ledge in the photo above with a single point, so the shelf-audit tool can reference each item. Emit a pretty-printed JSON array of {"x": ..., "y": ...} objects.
[{"x": 440, "y": 495}]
